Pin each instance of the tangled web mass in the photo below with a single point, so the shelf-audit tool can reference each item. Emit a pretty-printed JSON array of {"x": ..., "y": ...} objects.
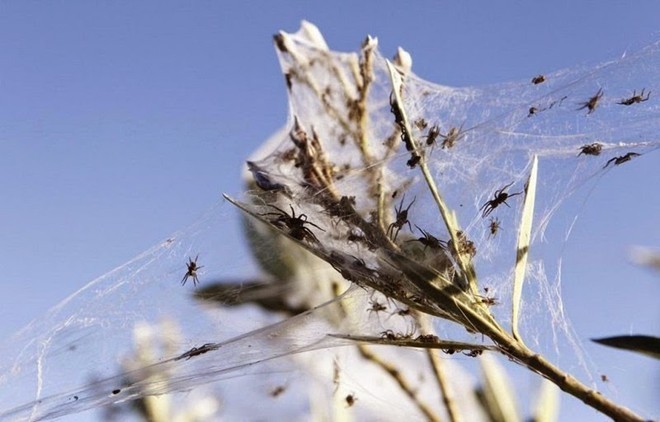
[{"x": 389, "y": 210}]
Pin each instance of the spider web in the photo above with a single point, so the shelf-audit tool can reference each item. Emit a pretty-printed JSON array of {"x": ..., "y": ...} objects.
[{"x": 136, "y": 332}]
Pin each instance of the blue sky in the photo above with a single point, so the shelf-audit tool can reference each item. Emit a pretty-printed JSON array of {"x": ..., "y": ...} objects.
[{"x": 122, "y": 122}]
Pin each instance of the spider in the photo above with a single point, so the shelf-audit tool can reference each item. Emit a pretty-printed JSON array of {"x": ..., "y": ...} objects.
[
  {"x": 294, "y": 224},
  {"x": 499, "y": 198},
  {"x": 351, "y": 399},
  {"x": 196, "y": 351},
  {"x": 488, "y": 300},
  {"x": 427, "y": 338},
  {"x": 465, "y": 245},
  {"x": 401, "y": 219},
  {"x": 376, "y": 307},
  {"x": 414, "y": 159},
  {"x": 451, "y": 137},
  {"x": 429, "y": 241},
  {"x": 591, "y": 149},
  {"x": 473, "y": 353},
  {"x": 635, "y": 99},
  {"x": 388, "y": 335},
  {"x": 433, "y": 134},
  {"x": 192, "y": 271},
  {"x": 593, "y": 102},
  {"x": 494, "y": 226},
  {"x": 621, "y": 159},
  {"x": 538, "y": 79},
  {"x": 420, "y": 123},
  {"x": 277, "y": 391}
]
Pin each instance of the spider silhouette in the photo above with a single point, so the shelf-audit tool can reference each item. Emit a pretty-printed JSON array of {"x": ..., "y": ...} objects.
[
  {"x": 636, "y": 98},
  {"x": 295, "y": 224},
  {"x": 191, "y": 271},
  {"x": 401, "y": 219},
  {"x": 621, "y": 159},
  {"x": 499, "y": 198}
]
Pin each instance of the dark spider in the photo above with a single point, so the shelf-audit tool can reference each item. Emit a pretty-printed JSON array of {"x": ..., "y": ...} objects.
[
  {"x": 427, "y": 338},
  {"x": 196, "y": 351},
  {"x": 494, "y": 226},
  {"x": 532, "y": 111},
  {"x": 591, "y": 149},
  {"x": 351, "y": 399},
  {"x": 403, "y": 312},
  {"x": 499, "y": 198},
  {"x": 376, "y": 307},
  {"x": 635, "y": 99},
  {"x": 429, "y": 241},
  {"x": 538, "y": 79},
  {"x": 621, "y": 159},
  {"x": 388, "y": 335},
  {"x": 294, "y": 224},
  {"x": 488, "y": 300},
  {"x": 593, "y": 102},
  {"x": 275, "y": 392},
  {"x": 473, "y": 353},
  {"x": 432, "y": 135},
  {"x": 414, "y": 159},
  {"x": 191, "y": 271},
  {"x": 401, "y": 219}
]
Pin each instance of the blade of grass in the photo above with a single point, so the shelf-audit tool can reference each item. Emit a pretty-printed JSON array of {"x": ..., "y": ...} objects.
[
  {"x": 498, "y": 393},
  {"x": 547, "y": 403},
  {"x": 522, "y": 249}
]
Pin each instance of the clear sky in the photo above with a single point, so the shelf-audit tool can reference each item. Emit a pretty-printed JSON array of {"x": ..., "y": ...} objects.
[{"x": 121, "y": 122}]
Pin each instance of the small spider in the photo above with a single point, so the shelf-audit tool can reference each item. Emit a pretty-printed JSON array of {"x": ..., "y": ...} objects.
[
  {"x": 494, "y": 226},
  {"x": 538, "y": 79},
  {"x": 427, "y": 338},
  {"x": 294, "y": 224},
  {"x": 488, "y": 300},
  {"x": 621, "y": 159},
  {"x": 351, "y": 399},
  {"x": 191, "y": 271},
  {"x": 499, "y": 198},
  {"x": 635, "y": 99},
  {"x": 591, "y": 149},
  {"x": 376, "y": 307},
  {"x": 388, "y": 335},
  {"x": 401, "y": 219},
  {"x": 402, "y": 312},
  {"x": 465, "y": 245},
  {"x": 414, "y": 160},
  {"x": 420, "y": 123},
  {"x": 277, "y": 391},
  {"x": 432, "y": 135},
  {"x": 451, "y": 137},
  {"x": 532, "y": 111},
  {"x": 196, "y": 351},
  {"x": 593, "y": 102},
  {"x": 473, "y": 353},
  {"x": 429, "y": 241}
]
